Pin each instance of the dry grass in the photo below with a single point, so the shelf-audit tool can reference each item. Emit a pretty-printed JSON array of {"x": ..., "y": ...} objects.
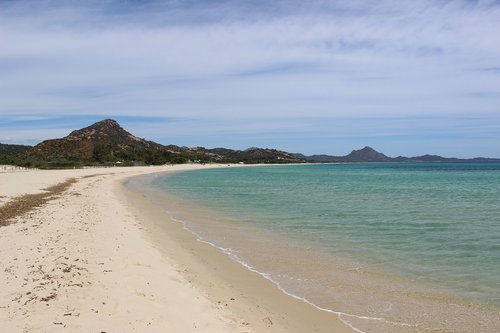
[{"x": 26, "y": 203}]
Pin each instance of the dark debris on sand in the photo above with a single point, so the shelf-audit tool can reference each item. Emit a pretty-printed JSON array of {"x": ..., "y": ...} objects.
[{"x": 26, "y": 203}]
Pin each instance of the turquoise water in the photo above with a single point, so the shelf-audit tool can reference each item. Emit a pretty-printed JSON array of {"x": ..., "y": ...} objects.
[
  {"x": 433, "y": 222},
  {"x": 389, "y": 247}
]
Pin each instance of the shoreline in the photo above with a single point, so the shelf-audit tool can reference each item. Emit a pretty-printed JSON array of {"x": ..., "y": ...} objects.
[
  {"x": 147, "y": 195},
  {"x": 100, "y": 257},
  {"x": 93, "y": 259},
  {"x": 278, "y": 310},
  {"x": 409, "y": 296}
]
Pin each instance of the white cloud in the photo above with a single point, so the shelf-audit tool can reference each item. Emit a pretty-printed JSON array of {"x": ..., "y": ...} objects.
[{"x": 261, "y": 60}]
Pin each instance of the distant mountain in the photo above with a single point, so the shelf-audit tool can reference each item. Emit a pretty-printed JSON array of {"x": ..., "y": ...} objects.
[
  {"x": 106, "y": 142},
  {"x": 437, "y": 158},
  {"x": 368, "y": 154}
]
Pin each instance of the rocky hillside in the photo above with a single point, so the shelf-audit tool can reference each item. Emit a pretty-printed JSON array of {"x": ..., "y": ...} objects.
[
  {"x": 106, "y": 142},
  {"x": 251, "y": 155}
]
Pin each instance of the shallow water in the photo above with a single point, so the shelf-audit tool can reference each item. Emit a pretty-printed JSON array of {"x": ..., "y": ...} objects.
[{"x": 413, "y": 244}]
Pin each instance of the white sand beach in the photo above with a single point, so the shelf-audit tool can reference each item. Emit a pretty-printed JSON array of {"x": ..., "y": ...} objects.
[{"x": 97, "y": 258}]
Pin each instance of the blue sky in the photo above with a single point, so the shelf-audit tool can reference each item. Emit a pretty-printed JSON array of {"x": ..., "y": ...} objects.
[{"x": 318, "y": 76}]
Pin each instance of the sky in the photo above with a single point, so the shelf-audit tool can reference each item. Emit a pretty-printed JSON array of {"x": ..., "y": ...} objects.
[{"x": 311, "y": 76}]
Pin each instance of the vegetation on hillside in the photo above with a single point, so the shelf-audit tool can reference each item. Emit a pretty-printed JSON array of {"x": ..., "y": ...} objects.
[{"x": 106, "y": 143}]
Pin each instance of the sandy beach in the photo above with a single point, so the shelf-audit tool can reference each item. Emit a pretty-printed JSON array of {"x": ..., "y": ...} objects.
[{"x": 81, "y": 253}]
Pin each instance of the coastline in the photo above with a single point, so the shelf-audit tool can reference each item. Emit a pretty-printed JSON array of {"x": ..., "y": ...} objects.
[
  {"x": 96, "y": 258},
  {"x": 266, "y": 307},
  {"x": 407, "y": 306}
]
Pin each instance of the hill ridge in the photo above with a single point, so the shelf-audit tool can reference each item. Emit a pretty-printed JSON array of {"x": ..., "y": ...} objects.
[{"x": 106, "y": 142}]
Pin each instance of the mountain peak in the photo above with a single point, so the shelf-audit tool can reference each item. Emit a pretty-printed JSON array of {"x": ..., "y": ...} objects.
[
  {"x": 104, "y": 140},
  {"x": 367, "y": 149},
  {"x": 367, "y": 154},
  {"x": 107, "y": 126},
  {"x": 107, "y": 122}
]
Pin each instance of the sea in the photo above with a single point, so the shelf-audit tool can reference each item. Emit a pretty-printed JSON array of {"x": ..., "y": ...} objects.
[{"x": 388, "y": 247}]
